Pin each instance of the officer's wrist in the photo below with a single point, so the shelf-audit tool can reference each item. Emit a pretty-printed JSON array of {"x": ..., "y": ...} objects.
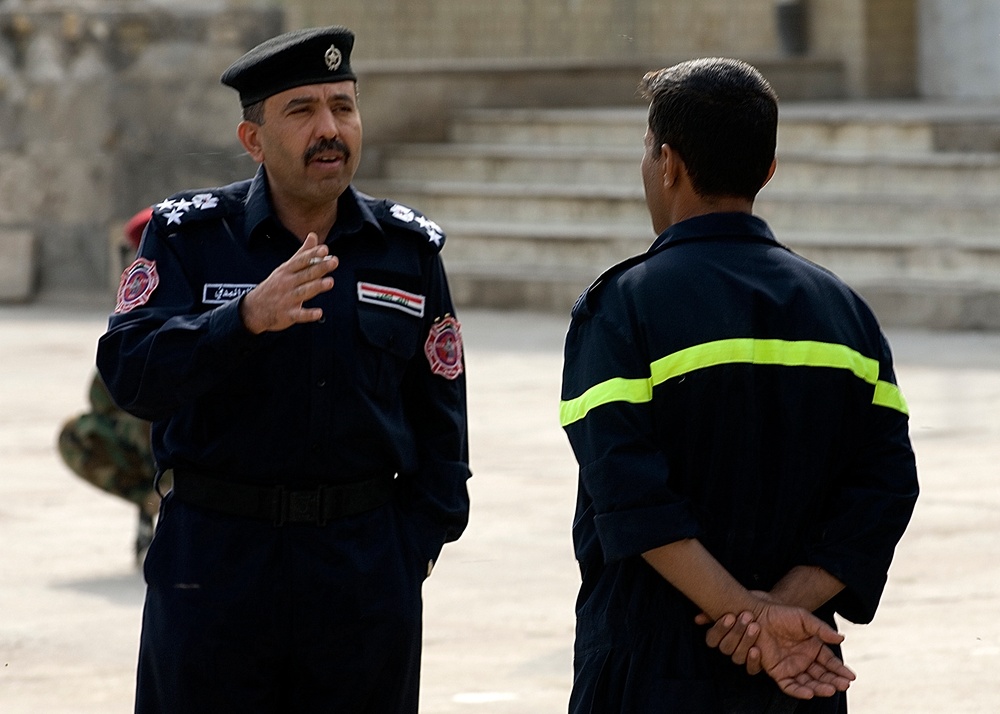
[{"x": 246, "y": 314}]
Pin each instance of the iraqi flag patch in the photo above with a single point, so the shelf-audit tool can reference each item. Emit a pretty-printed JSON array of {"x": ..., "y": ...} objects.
[
  {"x": 410, "y": 303},
  {"x": 444, "y": 348},
  {"x": 138, "y": 282}
]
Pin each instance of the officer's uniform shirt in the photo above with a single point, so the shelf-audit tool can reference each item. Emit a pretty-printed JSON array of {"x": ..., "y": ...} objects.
[
  {"x": 377, "y": 387},
  {"x": 720, "y": 387}
]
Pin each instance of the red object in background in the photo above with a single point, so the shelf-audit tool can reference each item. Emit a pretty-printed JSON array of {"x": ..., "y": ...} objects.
[{"x": 136, "y": 225}]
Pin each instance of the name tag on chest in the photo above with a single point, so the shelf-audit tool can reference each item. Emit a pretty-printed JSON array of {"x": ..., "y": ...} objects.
[{"x": 221, "y": 293}]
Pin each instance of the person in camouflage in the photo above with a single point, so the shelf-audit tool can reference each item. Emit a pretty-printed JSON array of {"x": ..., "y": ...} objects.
[{"x": 110, "y": 448}]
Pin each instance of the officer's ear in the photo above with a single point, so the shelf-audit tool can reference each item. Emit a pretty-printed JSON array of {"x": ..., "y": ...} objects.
[
  {"x": 770, "y": 171},
  {"x": 673, "y": 165},
  {"x": 249, "y": 134}
]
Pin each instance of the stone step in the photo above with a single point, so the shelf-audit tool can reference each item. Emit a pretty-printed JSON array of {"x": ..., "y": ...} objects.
[
  {"x": 447, "y": 201},
  {"x": 596, "y": 128},
  {"x": 924, "y": 303},
  {"x": 587, "y": 250},
  {"x": 887, "y": 258},
  {"x": 886, "y": 127},
  {"x": 890, "y": 126},
  {"x": 897, "y": 198},
  {"x": 513, "y": 163},
  {"x": 786, "y": 210},
  {"x": 933, "y": 174},
  {"x": 916, "y": 216}
]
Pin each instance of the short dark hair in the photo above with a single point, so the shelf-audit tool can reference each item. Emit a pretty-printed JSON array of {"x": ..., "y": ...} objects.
[
  {"x": 254, "y": 112},
  {"x": 721, "y": 117}
]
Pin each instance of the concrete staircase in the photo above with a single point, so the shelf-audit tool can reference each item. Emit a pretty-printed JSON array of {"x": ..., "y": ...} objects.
[{"x": 900, "y": 199}]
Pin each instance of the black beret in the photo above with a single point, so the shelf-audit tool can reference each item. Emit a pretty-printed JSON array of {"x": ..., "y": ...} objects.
[{"x": 313, "y": 56}]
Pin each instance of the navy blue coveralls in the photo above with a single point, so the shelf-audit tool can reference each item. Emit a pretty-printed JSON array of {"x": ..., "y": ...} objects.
[
  {"x": 242, "y": 614},
  {"x": 720, "y": 387}
]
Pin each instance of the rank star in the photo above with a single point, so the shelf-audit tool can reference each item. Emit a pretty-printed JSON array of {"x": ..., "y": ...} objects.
[
  {"x": 402, "y": 213},
  {"x": 434, "y": 237},
  {"x": 183, "y": 205},
  {"x": 174, "y": 217},
  {"x": 428, "y": 225},
  {"x": 164, "y": 205}
]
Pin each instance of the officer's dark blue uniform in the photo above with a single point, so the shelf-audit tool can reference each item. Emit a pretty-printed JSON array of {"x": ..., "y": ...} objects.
[
  {"x": 317, "y": 470},
  {"x": 720, "y": 387}
]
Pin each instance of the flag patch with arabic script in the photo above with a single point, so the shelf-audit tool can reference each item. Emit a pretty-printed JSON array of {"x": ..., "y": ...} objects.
[{"x": 410, "y": 303}]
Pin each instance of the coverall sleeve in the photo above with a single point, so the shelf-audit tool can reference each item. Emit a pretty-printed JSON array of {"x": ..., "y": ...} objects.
[
  {"x": 436, "y": 494},
  {"x": 869, "y": 513},
  {"x": 607, "y": 414},
  {"x": 164, "y": 353}
]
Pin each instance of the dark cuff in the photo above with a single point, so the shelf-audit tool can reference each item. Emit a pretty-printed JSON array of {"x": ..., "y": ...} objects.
[{"x": 627, "y": 533}]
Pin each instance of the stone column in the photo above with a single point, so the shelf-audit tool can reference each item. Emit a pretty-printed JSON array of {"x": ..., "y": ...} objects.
[{"x": 960, "y": 49}]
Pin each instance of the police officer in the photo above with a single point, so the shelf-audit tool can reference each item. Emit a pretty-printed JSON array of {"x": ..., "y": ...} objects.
[
  {"x": 294, "y": 343},
  {"x": 743, "y": 444}
]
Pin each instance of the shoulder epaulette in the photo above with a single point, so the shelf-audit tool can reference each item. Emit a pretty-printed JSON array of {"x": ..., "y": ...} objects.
[
  {"x": 397, "y": 215},
  {"x": 196, "y": 205}
]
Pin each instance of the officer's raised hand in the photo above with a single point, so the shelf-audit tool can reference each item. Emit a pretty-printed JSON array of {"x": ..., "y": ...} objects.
[{"x": 276, "y": 304}]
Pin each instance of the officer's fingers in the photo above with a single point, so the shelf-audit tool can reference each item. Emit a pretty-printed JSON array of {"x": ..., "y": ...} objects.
[
  {"x": 307, "y": 253},
  {"x": 730, "y": 644},
  {"x": 748, "y": 640},
  {"x": 719, "y": 630},
  {"x": 308, "y": 314},
  {"x": 311, "y": 241},
  {"x": 320, "y": 265}
]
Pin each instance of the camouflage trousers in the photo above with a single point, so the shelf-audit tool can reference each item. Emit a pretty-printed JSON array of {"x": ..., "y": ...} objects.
[{"x": 110, "y": 449}]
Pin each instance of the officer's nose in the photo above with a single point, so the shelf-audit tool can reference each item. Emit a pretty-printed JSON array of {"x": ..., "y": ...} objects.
[{"x": 327, "y": 127}]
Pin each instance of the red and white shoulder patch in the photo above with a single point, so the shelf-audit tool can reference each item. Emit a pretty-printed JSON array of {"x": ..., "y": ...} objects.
[
  {"x": 444, "y": 348},
  {"x": 138, "y": 282}
]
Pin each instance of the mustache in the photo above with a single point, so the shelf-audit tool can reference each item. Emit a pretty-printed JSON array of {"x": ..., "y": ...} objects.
[{"x": 326, "y": 145}]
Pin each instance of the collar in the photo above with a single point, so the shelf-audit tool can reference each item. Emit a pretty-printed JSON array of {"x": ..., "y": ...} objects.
[
  {"x": 353, "y": 213},
  {"x": 743, "y": 226}
]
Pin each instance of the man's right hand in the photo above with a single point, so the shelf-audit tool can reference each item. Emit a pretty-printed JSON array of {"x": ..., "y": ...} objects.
[
  {"x": 788, "y": 643},
  {"x": 794, "y": 653},
  {"x": 276, "y": 304}
]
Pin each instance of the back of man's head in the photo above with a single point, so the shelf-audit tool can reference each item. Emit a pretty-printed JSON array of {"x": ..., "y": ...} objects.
[{"x": 721, "y": 116}]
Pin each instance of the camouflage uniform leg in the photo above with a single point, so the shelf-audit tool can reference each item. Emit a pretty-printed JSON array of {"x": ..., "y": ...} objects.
[{"x": 110, "y": 453}]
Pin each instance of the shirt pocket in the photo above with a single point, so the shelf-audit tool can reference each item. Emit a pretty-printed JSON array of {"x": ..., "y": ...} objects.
[{"x": 390, "y": 341}]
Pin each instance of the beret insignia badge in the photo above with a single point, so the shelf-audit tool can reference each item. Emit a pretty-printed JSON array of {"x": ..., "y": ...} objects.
[{"x": 333, "y": 58}]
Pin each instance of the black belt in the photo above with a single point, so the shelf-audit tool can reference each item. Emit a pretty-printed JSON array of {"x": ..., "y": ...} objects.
[{"x": 281, "y": 505}]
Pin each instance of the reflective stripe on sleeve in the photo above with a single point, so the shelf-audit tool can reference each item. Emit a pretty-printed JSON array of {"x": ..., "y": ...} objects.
[
  {"x": 736, "y": 351},
  {"x": 890, "y": 396}
]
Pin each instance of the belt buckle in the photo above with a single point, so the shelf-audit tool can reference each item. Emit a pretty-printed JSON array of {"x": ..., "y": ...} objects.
[{"x": 303, "y": 506}]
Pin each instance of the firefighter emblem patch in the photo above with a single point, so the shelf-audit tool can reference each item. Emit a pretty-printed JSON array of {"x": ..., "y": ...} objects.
[
  {"x": 138, "y": 282},
  {"x": 444, "y": 348}
]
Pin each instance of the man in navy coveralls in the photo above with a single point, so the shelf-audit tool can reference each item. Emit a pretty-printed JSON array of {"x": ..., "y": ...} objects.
[
  {"x": 294, "y": 343},
  {"x": 743, "y": 445}
]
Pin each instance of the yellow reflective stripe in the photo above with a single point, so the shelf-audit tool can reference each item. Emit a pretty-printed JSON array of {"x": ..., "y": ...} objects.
[
  {"x": 889, "y": 395},
  {"x": 774, "y": 352},
  {"x": 743, "y": 350},
  {"x": 618, "y": 389}
]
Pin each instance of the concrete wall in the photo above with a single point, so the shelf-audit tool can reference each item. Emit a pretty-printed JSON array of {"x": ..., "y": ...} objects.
[
  {"x": 875, "y": 40},
  {"x": 104, "y": 110},
  {"x": 960, "y": 49},
  {"x": 392, "y": 29}
]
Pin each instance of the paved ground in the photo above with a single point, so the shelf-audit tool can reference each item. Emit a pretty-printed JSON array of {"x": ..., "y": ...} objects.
[{"x": 499, "y": 617}]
